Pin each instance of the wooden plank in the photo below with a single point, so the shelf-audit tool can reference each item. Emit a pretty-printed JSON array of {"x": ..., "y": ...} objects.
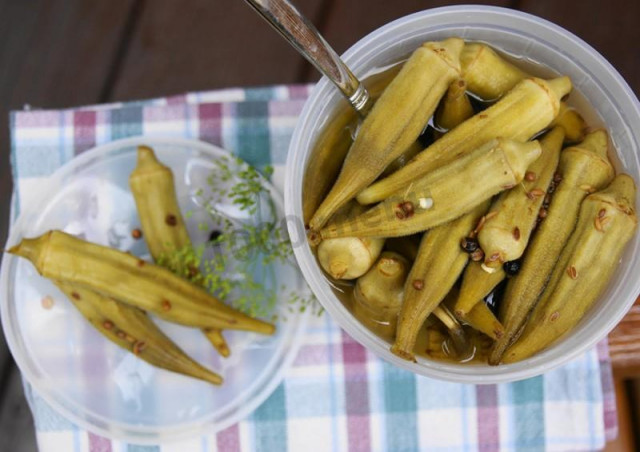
[
  {"x": 16, "y": 423},
  {"x": 624, "y": 344},
  {"x": 610, "y": 27},
  {"x": 206, "y": 44},
  {"x": 53, "y": 53}
]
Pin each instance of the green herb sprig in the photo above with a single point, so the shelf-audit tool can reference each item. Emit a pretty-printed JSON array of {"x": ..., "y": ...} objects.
[{"x": 246, "y": 281}]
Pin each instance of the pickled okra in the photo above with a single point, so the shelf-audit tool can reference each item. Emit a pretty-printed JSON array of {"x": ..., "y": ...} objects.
[
  {"x": 526, "y": 110},
  {"x": 133, "y": 330},
  {"x": 478, "y": 281},
  {"x": 506, "y": 228},
  {"x": 486, "y": 73},
  {"x": 113, "y": 273},
  {"x": 490, "y": 76},
  {"x": 165, "y": 231},
  {"x": 606, "y": 223},
  {"x": 438, "y": 198},
  {"x": 395, "y": 121},
  {"x": 504, "y": 236},
  {"x": 439, "y": 263},
  {"x": 348, "y": 257},
  {"x": 583, "y": 169},
  {"x": 153, "y": 190},
  {"x": 482, "y": 319},
  {"x": 455, "y": 107},
  {"x": 378, "y": 293}
]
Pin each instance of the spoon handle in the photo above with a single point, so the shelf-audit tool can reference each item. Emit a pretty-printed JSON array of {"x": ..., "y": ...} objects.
[{"x": 302, "y": 35}]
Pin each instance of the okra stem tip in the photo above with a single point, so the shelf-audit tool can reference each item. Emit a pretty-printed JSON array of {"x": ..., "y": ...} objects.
[
  {"x": 560, "y": 86},
  {"x": 396, "y": 350}
]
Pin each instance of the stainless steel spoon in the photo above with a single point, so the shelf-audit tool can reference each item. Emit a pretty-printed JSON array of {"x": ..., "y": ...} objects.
[{"x": 302, "y": 35}]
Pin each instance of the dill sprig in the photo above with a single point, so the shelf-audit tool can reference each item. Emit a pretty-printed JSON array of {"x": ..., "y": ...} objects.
[{"x": 238, "y": 265}]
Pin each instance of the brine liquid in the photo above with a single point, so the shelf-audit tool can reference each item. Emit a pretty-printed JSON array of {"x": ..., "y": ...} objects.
[{"x": 433, "y": 341}]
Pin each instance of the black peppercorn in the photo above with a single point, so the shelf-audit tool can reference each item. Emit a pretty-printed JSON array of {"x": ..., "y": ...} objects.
[
  {"x": 469, "y": 245},
  {"x": 512, "y": 268}
]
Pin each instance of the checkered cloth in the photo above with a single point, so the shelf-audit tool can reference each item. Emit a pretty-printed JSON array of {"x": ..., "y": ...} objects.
[{"x": 336, "y": 396}]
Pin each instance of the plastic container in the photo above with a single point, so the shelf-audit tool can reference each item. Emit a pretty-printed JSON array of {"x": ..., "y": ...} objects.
[
  {"x": 521, "y": 35},
  {"x": 93, "y": 382}
]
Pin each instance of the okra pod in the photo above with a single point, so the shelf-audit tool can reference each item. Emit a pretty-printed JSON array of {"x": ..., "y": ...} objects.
[
  {"x": 481, "y": 318},
  {"x": 486, "y": 73},
  {"x": 444, "y": 194},
  {"x": 133, "y": 330},
  {"x": 572, "y": 122},
  {"x": 455, "y": 107},
  {"x": 477, "y": 282},
  {"x": 523, "y": 112},
  {"x": 113, "y": 273},
  {"x": 490, "y": 76},
  {"x": 583, "y": 169},
  {"x": 439, "y": 263},
  {"x": 153, "y": 188},
  {"x": 378, "y": 293},
  {"x": 395, "y": 121},
  {"x": 349, "y": 257},
  {"x": 606, "y": 223},
  {"x": 513, "y": 216}
]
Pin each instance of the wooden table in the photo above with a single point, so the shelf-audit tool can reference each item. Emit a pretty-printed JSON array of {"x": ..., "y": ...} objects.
[{"x": 63, "y": 53}]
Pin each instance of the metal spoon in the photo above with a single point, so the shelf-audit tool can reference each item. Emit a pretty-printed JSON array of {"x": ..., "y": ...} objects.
[{"x": 302, "y": 35}]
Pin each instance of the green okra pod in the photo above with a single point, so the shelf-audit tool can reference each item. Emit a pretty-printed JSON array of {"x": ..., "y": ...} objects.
[
  {"x": 607, "y": 221},
  {"x": 439, "y": 263},
  {"x": 583, "y": 169},
  {"x": 444, "y": 194},
  {"x": 165, "y": 232},
  {"x": 455, "y": 107},
  {"x": 526, "y": 110},
  {"x": 113, "y": 273},
  {"x": 133, "y": 330},
  {"x": 395, "y": 121}
]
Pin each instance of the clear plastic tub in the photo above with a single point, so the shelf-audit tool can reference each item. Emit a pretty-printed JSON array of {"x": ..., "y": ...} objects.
[
  {"x": 523, "y": 36},
  {"x": 93, "y": 382}
]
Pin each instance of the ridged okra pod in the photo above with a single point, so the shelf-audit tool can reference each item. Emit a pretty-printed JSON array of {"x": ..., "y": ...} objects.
[
  {"x": 524, "y": 111},
  {"x": 133, "y": 330},
  {"x": 164, "y": 230},
  {"x": 395, "y": 121},
  {"x": 490, "y": 76},
  {"x": 378, "y": 293},
  {"x": 113, "y": 273},
  {"x": 349, "y": 257},
  {"x": 505, "y": 230},
  {"x": 481, "y": 318},
  {"x": 444, "y": 194},
  {"x": 477, "y": 283},
  {"x": 583, "y": 169},
  {"x": 153, "y": 190},
  {"x": 455, "y": 107},
  {"x": 486, "y": 73},
  {"x": 607, "y": 221},
  {"x": 439, "y": 263},
  {"x": 332, "y": 145},
  {"x": 513, "y": 216}
]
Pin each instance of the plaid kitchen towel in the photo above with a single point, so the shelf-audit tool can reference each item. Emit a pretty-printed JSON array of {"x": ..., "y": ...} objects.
[{"x": 336, "y": 396}]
